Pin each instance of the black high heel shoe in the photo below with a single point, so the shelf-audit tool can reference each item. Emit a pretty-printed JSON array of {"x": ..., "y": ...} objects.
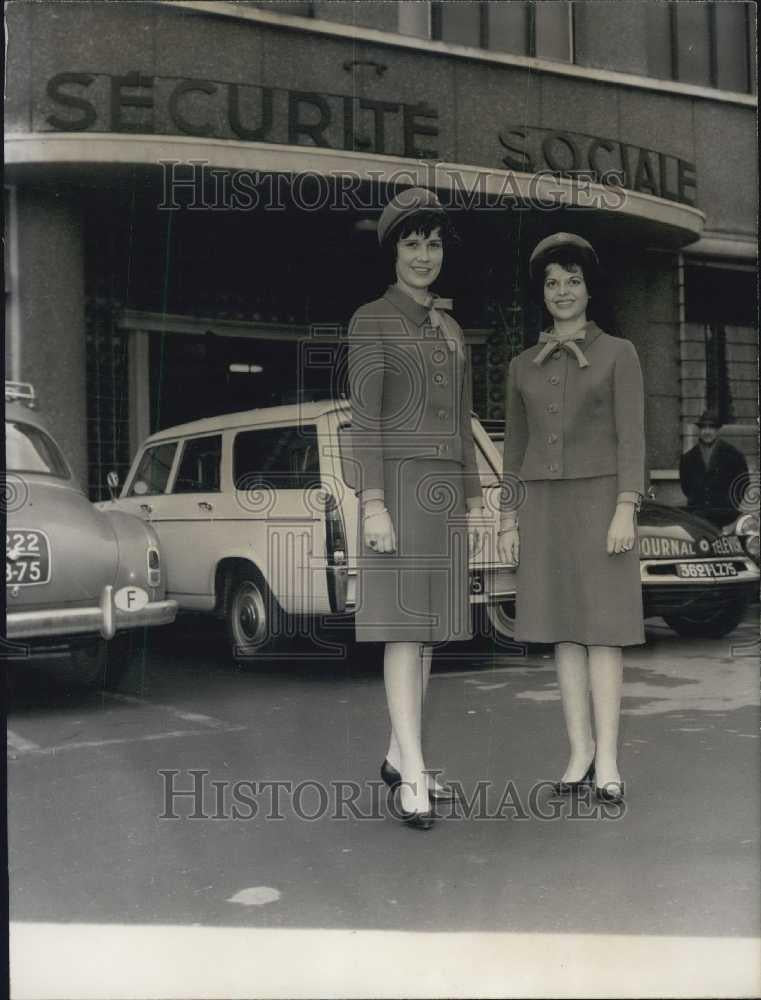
[
  {"x": 393, "y": 779},
  {"x": 570, "y": 787},
  {"x": 417, "y": 820},
  {"x": 390, "y": 775},
  {"x": 612, "y": 792}
]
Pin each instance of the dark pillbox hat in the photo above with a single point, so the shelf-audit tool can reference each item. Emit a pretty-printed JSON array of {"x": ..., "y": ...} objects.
[
  {"x": 404, "y": 204},
  {"x": 559, "y": 241}
]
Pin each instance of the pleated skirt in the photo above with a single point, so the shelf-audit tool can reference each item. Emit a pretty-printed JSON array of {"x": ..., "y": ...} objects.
[
  {"x": 420, "y": 592},
  {"x": 568, "y": 588}
]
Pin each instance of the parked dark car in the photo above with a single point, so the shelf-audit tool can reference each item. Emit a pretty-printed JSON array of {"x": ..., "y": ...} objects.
[
  {"x": 75, "y": 576},
  {"x": 698, "y": 577}
]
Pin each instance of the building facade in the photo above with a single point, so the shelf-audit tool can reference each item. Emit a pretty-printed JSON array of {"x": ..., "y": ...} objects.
[{"x": 192, "y": 189}]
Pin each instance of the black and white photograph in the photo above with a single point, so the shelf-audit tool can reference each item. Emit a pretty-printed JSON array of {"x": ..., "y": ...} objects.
[{"x": 381, "y": 489}]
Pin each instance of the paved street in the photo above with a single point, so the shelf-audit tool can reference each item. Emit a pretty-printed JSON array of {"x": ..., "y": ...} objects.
[{"x": 88, "y": 844}]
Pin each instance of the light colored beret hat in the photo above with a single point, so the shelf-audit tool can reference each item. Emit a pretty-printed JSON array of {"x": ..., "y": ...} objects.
[{"x": 404, "y": 204}]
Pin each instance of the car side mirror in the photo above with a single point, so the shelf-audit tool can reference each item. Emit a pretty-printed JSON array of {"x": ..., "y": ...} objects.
[{"x": 112, "y": 481}]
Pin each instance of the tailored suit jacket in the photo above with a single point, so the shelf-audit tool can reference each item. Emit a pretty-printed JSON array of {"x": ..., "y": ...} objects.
[
  {"x": 410, "y": 392},
  {"x": 563, "y": 421},
  {"x": 711, "y": 486}
]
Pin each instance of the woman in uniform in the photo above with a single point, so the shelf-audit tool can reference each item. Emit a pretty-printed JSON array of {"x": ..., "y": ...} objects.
[
  {"x": 574, "y": 465},
  {"x": 416, "y": 478}
]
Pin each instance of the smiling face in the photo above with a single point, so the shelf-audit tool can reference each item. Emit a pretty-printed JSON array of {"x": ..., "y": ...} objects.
[
  {"x": 419, "y": 259},
  {"x": 708, "y": 433},
  {"x": 565, "y": 292}
]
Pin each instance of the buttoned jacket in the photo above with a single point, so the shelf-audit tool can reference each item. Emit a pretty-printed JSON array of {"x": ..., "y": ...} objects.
[
  {"x": 564, "y": 421},
  {"x": 410, "y": 392}
]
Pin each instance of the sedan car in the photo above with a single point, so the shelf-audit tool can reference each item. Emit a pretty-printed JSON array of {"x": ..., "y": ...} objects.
[
  {"x": 697, "y": 577},
  {"x": 75, "y": 576}
]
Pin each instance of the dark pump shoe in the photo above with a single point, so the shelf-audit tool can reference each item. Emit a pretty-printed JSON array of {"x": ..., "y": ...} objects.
[
  {"x": 418, "y": 821},
  {"x": 390, "y": 775},
  {"x": 569, "y": 787},
  {"x": 612, "y": 792},
  {"x": 393, "y": 779}
]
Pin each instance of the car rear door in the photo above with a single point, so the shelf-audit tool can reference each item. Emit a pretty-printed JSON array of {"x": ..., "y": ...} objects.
[{"x": 280, "y": 496}]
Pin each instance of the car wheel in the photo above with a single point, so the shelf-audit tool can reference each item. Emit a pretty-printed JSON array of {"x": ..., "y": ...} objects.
[
  {"x": 707, "y": 625},
  {"x": 99, "y": 663},
  {"x": 499, "y": 619},
  {"x": 252, "y": 616}
]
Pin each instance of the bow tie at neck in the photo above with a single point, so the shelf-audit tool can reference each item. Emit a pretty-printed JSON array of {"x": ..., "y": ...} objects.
[
  {"x": 435, "y": 302},
  {"x": 553, "y": 342},
  {"x": 433, "y": 305}
]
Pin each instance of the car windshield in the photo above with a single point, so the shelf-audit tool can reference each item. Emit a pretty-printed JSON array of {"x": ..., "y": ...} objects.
[{"x": 29, "y": 449}]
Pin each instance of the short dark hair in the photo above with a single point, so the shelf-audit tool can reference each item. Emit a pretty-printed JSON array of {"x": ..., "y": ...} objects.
[
  {"x": 423, "y": 222},
  {"x": 569, "y": 258}
]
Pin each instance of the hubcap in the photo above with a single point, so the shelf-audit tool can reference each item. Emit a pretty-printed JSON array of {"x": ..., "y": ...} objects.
[{"x": 251, "y": 614}]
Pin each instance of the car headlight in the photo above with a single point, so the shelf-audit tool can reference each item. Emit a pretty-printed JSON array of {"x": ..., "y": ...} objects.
[
  {"x": 747, "y": 524},
  {"x": 752, "y": 547}
]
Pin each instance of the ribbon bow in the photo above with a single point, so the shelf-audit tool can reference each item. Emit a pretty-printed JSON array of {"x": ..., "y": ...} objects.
[
  {"x": 438, "y": 319},
  {"x": 552, "y": 342}
]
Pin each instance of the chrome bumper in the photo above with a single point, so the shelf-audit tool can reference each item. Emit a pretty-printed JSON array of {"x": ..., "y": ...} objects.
[{"x": 104, "y": 618}]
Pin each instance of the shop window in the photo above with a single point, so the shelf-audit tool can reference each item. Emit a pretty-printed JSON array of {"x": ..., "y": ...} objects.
[
  {"x": 658, "y": 40},
  {"x": 720, "y": 367},
  {"x": 452, "y": 21},
  {"x": 152, "y": 473},
  {"x": 509, "y": 27},
  {"x": 732, "y": 49},
  {"x": 542, "y": 28},
  {"x": 414, "y": 18},
  {"x": 107, "y": 385},
  {"x": 285, "y": 458},
  {"x": 199, "y": 466},
  {"x": 692, "y": 38},
  {"x": 708, "y": 44},
  {"x": 551, "y": 31}
]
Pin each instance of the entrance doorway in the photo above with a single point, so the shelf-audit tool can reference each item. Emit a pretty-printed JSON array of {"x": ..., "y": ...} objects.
[{"x": 193, "y": 376}]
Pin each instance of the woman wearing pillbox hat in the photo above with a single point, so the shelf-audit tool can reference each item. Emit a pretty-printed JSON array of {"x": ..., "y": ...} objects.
[
  {"x": 575, "y": 440},
  {"x": 414, "y": 467}
]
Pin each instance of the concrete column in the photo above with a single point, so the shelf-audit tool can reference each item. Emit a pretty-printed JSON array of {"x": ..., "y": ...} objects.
[{"x": 51, "y": 315}]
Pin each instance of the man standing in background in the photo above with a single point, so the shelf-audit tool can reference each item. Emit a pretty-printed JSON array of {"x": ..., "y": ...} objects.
[{"x": 713, "y": 474}]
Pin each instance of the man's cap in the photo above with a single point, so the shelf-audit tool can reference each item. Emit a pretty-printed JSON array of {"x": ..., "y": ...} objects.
[
  {"x": 559, "y": 241},
  {"x": 404, "y": 204},
  {"x": 709, "y": 418}
]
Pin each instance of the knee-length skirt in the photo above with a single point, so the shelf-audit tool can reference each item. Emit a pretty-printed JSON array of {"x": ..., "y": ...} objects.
[
  {"x": 568, "y": 588},
  {"x": 420, "y": 592}
]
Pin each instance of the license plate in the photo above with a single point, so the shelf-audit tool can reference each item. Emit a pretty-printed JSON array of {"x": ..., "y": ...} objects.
[
  {"x": 27, "y": 557},
  {"x": 706, "y": 571}
]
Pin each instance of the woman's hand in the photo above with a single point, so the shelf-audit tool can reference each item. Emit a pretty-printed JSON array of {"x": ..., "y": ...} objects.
[
  {"x": 477, "y": 530},
  {"x": 622, "y": 531},
  {"x": 378, "y": 528},
  {"x": 509, "y": 545}
]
